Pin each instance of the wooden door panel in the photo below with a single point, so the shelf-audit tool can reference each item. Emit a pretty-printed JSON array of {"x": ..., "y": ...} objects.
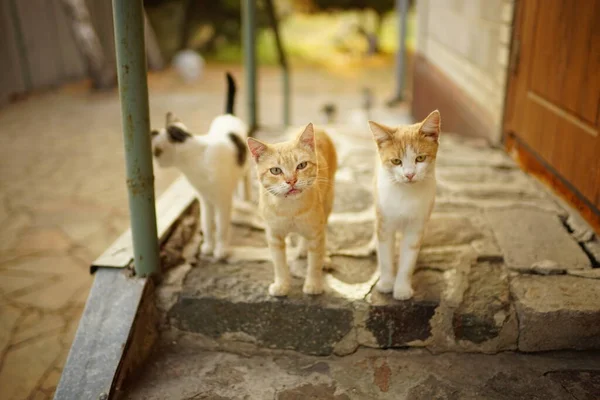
[
  {"x": 553, "y": 102},
  {"x": 564, "y": 58},
  {"x": 575, "y": 157},
  {"x": 567, "y": 146},
  {"x": 582, "y": 94},
  {"x": 548, "y": 55},
  {"x": 591, "y": 89}
]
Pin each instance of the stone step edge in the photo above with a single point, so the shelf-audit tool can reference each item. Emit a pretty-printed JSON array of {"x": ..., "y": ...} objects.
[{"x": 338, "y": 330}]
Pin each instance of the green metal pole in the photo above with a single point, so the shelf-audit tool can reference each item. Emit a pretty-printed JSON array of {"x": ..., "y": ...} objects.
[
  {"x": 21, "y": 47},
  {"x": 249, "y": 40},
  {"x": 282, "y": 61},
  {"x": 133, "y": 89},
  {"x": 402, "y": 14},
  {"x": 287, "y": 118}
]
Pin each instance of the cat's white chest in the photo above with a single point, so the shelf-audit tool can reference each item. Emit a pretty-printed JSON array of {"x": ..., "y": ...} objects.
[{"x": 405, "y": 203}]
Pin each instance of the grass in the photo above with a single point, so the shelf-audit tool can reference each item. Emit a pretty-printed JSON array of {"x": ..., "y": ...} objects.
[{"x": 324, "y": 39}]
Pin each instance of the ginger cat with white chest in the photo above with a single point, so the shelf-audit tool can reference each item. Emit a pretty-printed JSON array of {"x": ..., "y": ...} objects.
[
  {"x": 296, "y": 196},
  {"x": 405, "y": 194}
]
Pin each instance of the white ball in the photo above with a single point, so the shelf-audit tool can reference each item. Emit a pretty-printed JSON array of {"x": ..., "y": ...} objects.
[{"x": 189, "y": 64}]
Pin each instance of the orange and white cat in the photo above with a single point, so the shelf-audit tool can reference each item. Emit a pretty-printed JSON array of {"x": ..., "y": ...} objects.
[
  {"x": 405, "y": 193},
  {"x": 296, "y": 196}
]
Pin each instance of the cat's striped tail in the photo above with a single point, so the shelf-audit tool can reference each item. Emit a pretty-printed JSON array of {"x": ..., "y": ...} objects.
[{"x": 230, "y": 94}]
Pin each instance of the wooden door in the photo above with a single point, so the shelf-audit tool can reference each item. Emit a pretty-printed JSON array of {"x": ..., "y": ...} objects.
[{"x": 553, "y": 100}]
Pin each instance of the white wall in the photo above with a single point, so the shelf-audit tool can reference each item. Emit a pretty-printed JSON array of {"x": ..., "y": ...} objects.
[{"x": 469, "y": 41}]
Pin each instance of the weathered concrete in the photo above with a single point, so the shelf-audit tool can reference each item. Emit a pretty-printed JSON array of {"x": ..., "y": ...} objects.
[
  {"x": 593, "y": 249},
  {"x": 450, "y": 229},
  {"x": 397, "y": 324},
  {"x": 462, "y": 302},
  {"x": 557, "y": 312},
  {"x": 231, "y": 301},
  {"x": 341, "y": 236},
  {"x": 181, "y": 371},
  {"x": 63, "y": 200},
  {"x": 351, "y": 198},
  {"x": 485, "y": 309},
  {"x": 581, "y": 384},
  {"x": 534, "y": 239}
]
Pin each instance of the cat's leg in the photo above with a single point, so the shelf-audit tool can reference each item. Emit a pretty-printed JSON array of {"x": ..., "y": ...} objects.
[
  {"x": 281, "y": 283},
  {"x": 409, "y": 250},
  {"x": 314, "y": 272},
  {"x": 386, "y": 235},
  {"x": 207, "y": 213},
  {"x": 223, "y": 215}
]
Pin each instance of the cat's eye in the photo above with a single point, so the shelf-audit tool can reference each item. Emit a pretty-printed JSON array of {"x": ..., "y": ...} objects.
[
  {"x": 420, "y": 158},
  {"x": 275, "y": 170},
  {"x": 396, "y": 161},
  {"x": 302, "y": 165}
]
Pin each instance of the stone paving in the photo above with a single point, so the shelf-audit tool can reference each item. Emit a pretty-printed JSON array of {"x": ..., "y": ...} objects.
[
  {"x": 181, "y": 370},
  {"x": 489, "y": 280},
  {"x": 503, "y": 264},
  {"x": 63, "y": 199},
  {"x": 503, "y": 267}
]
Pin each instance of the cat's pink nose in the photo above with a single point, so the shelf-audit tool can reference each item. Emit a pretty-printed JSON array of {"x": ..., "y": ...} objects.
[
  {"x": 292, "y": 181},
  {"x": 409, "y": 176}
]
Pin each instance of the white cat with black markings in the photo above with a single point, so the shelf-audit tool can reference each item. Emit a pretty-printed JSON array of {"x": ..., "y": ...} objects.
[{"x": 213, "y": 163}]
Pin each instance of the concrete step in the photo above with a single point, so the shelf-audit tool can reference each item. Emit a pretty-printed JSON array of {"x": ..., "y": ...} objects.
[
  {"x": 499, "y": 270},
  {"x": 231, "y": 302},
  {"x": 181, "y": 370},
  {"x": 460, "y": 304}
]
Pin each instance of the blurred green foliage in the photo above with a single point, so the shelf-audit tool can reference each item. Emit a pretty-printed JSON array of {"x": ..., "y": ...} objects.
[{"x": 312, "y": 30}]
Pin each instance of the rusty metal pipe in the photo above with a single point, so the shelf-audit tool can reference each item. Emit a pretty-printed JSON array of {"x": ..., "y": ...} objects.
[
  {"x": 402, "y": 14},
  {"x": 283, "y": 63},
  {"x": 249, "y": 41},
  {"x": 128, "y": 18}
]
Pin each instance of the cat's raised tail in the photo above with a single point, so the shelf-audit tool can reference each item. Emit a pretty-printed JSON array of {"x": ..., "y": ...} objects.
[{"x": 229, "y": 105}]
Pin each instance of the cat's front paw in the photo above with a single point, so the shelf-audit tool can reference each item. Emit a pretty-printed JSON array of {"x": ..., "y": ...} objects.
[
  {"x": 221, "y": 252},
  {"x": 206, "y": 249},
  {"x": 385, "y": 285},
  {"x": 403, "y": 291},
  {"x": 312, "y": 287},
  {"x": 278, "y": 289}
]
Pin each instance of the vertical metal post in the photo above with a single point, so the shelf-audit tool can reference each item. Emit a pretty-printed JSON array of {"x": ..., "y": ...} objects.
[
  {"x": 282, "y": 61},
  {"x": 128, "y": 18},
  {"x": 249, "y": 40},
  {"x": 401, "y": 12},
  {"x": 21, "y": 47},
  {"x": 287, "y": 118}
]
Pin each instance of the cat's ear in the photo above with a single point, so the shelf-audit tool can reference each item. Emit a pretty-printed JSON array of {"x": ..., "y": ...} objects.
[
  {"x": 381, "y": 133},
  {"x": 431, "y": 126},
  {"x": 176, "y": 134},
  {"x": 171, "y": 119},
  {"x": 307, "y": 137},
  {"x": 257, "y": 148}
]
